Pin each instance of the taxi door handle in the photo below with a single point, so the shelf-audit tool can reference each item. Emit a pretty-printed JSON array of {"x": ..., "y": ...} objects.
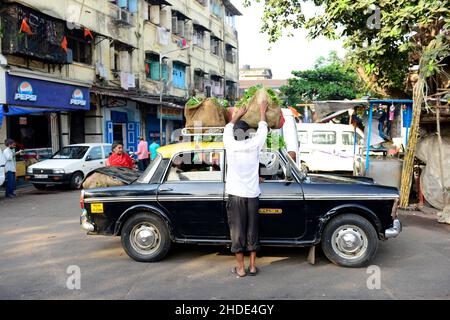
[{"x": 165, "y": 189}]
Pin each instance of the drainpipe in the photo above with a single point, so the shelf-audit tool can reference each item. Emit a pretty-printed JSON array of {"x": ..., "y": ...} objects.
[{"x": 224, "y": 54}]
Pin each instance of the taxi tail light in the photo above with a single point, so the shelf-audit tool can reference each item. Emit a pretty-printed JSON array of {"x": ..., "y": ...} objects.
[{"x": 82, "y": 199}]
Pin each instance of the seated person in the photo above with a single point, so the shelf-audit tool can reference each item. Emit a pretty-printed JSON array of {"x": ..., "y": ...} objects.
[{"x": 118, "y": 158}]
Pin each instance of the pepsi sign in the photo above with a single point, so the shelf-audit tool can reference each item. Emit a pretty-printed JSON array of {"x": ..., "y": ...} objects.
[
  {"x": 78, "y": 98},
  {"x": 25, "y": 92}
]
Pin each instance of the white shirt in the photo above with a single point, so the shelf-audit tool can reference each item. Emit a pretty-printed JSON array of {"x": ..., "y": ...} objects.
[
  {"x": 10, "y": 157},
  {"x": 243, "y": 162}
]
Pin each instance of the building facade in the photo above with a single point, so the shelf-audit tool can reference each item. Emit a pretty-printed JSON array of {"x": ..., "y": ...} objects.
[
  {"x": 249, "y": 73},
  {"x": 74, "y": 71}
]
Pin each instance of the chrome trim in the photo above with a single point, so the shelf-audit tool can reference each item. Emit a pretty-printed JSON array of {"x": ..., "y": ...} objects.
[
  {"x": 85, "y": 224},
  {"x": 350, "y": 197},
  {"x": 183, "y": 198},
  {"x": 116, "y": 199},
  {"x": 395, "y": 230}
]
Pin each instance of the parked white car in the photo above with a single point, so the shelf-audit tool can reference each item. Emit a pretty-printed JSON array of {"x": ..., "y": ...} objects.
[
  {"x": 2, "y": 168},
  {"x": 69, "y": 166},
  {"x": 328, "y": 146}
]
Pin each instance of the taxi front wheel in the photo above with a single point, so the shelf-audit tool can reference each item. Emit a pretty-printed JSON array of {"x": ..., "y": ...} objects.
[
  {"x": 349, "y": 240},
  {"x": 145, "y": 237}
]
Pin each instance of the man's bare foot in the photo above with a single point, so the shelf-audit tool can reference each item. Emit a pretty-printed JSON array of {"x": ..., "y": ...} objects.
[
  {"x": 239, "y": 271},
  {"x": 253, "y": 270}
]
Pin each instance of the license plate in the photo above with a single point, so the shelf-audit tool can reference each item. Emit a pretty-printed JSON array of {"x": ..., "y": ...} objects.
[{"x": 41, "y": 176}]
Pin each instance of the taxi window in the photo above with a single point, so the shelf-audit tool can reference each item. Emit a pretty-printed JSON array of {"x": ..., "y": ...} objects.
[
  {"x": 196, "y": 166},
  {"x": 271, "y": 168}
]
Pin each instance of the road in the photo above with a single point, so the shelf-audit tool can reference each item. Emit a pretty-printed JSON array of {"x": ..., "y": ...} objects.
[{"x": 40, "y": 239}]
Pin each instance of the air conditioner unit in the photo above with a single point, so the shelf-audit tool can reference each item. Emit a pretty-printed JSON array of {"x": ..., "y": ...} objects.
[
  {"x": 180, "y": 27},
  {"x": 174, "y": 25},
  {"x": 124, "y": 16}
]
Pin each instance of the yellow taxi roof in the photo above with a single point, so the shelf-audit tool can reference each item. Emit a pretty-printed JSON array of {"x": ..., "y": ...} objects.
[{"x": 172, "y": 149}]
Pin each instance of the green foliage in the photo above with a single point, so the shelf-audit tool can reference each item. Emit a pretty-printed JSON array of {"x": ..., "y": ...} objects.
[
  {"x": 250, "y": 93},
  {"x": 194, "y": 101},
  {"x": 383, "y": 47},
  {"x": 331, "y": 79},
  {"x": 275, "y": 141}
]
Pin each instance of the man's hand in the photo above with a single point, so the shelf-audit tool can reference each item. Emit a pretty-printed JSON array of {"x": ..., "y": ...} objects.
[
  {"x": 263, "y": 109},
  {"x": 238, "y": 114}
]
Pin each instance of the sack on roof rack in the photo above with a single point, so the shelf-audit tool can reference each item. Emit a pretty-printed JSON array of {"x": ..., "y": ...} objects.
[
  {"x": 204, "y": 113},
  {"x": 253, "y": 99}
]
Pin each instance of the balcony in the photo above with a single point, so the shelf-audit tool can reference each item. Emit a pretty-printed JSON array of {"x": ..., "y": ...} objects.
[
  {"x": 44, "y": 42},
  {"x": 122, "y": 17}
]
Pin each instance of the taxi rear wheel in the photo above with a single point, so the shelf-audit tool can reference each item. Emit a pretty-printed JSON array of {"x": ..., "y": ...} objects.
[
  {"x": 349, "y": 240},
  {"x": 146, "y": 238}
]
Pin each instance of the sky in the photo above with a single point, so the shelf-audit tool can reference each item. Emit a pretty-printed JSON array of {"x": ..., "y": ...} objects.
[{"x": 289, "y": 53}]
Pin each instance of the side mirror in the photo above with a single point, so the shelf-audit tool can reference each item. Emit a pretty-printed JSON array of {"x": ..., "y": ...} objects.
[{"x": 88, "y": 158}]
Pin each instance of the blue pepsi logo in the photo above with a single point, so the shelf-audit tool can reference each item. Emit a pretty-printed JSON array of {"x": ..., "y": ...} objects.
[{"x": 25, "y": 92}]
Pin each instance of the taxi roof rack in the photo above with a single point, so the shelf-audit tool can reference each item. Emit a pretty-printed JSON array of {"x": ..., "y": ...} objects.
[{"x": 202, "y": 131}]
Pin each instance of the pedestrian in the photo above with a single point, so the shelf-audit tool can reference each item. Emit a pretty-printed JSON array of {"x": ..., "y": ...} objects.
[
  {"x": 10, "y": 167},
  {"x": 153, "y": 147},
  {"x": 143, "y": 154},
  {"x": 118, "y": 158},
  {"x": 242, "y": 186}
]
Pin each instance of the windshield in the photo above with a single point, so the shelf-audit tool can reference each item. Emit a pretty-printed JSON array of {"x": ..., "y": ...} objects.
[
  {"x": 75, "y": 152},
  {"x": 302, "y": 175},
  {"x": 148, "y": 173}
]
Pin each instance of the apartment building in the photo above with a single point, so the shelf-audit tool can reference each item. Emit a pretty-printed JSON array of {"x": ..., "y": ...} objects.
[{"x": 75, "y": 71}]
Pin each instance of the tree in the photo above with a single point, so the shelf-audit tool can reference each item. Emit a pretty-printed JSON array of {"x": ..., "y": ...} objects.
[
  {"x": 384, "y": 37},
  {"x": 330, "y": 79}
]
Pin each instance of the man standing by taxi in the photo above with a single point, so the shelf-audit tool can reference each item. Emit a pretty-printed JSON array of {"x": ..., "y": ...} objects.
[{"x": 242, "y": 186}]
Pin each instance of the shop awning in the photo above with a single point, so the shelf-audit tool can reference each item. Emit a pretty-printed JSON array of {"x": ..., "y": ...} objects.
[
  {"x": 159, "y": 2},
  {"x": 180, "y": 15},
  {"x": 125, "y": 95},
  {"x": 199, "y": 26},
  {"x": 18, "y": 111}
]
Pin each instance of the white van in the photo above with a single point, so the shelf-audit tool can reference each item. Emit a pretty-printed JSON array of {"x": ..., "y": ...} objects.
[
  {"x": 328, "y": 146},
  {"x": 69, "y": 166},
  {"x": 289, "y": 133}
]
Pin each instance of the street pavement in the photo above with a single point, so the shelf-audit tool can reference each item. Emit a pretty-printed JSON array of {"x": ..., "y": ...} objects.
[{"x": 40, "y": 239}]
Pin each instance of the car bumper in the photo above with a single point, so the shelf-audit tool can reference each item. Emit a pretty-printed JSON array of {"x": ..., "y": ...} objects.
[
  {"x": 394, "y": 231},
  {"x": 85, "y": 223},
  {"x": 51, "y": 179}
]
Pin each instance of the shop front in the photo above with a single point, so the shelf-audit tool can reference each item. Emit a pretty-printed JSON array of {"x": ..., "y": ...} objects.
[
  {"x": 32, "y": 112},
  {"x": 172, "y": 121},
  {"x": 122, "y": 122}
]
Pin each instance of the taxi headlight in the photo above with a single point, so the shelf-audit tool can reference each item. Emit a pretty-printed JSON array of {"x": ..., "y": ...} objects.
[
  {"x": 59, "y": 171},
  {"x": 29, "y": 170}
]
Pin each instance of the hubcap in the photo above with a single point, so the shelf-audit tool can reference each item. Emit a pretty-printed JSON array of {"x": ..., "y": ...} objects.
[
  {"x": 78, "y": 181},
  {"x": 145, "y": 238},
  {"x": 349, "y": 242}
]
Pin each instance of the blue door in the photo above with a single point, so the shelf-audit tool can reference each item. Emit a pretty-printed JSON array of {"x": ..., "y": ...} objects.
[
  {"x": 131, "y": 137},
  {"x": 109, "y": 132}
]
